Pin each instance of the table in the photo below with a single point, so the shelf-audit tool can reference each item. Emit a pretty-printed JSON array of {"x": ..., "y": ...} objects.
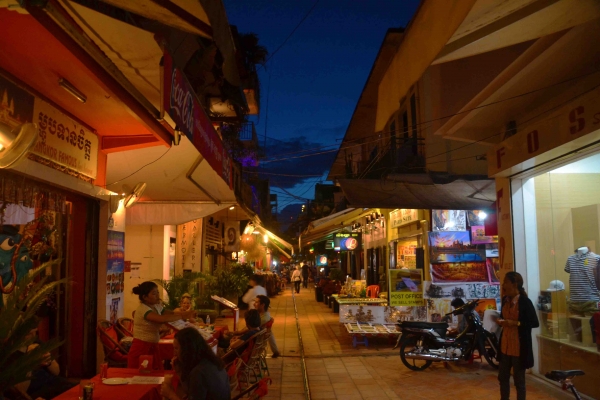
[
  {"x": 166, "y": 344},
  {"x": 129, "y": 392}
]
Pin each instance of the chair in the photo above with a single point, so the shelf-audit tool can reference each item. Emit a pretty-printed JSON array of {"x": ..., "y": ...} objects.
[
  {"x": 114, "y": 354},
  {"x": 373, "y": 291},
  {"x": 124, "y": 327},
  {"x": 257, "y": 391},
  {"x": 250, "y": 370},
  {"x": 263, "y": 356}
]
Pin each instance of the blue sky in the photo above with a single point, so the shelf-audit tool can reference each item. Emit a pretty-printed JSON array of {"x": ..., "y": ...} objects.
[{"x": 314, "y": 80}]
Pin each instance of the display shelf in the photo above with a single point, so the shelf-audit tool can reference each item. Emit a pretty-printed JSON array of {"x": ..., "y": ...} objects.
[
  {"x": 554, "y": 322},
  {"x": 574, "y": 345},
  {"x": 580, "y": 331}
]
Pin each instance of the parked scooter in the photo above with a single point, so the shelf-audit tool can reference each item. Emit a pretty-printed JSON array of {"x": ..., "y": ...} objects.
[{"x": 422, "y": 343}]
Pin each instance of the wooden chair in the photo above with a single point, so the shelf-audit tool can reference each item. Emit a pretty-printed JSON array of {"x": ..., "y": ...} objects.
[
  {"x": 114, "y": 354},
  {"x": 124, "y": 327}
]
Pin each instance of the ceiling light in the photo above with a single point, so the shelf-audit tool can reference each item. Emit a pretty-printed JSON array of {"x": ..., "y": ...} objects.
[
  {"x": 68, "y": 86},
  {"x": 232, "y": 208},
  {"x": 482, "y": 215}
]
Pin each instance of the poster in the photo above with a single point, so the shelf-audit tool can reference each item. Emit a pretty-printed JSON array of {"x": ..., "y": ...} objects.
[
  {"x": 449, "y": 220},
  {"x": 478, "y": 235},
  {"x": 491, "y": 250},
  {"x": 437, "y": 309},
  {"x": 115, "y": 272},
  {"x": 493, "y": 267},
  {"x": 454, "y": 247},
  {"x": 406, "y": 287},
  {"x": 321, "y": 260},
  {"x": 436, "y": 291},
  {"x": 458, "y": 272},
  {"x": 483, "y": 291},
  {"x": 232, "y": 236}
]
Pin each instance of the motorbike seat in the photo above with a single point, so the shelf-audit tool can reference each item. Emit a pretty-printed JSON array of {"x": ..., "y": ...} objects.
[
  {"x": 559, "y": 376},
  {"x": 424, "y": 325}
]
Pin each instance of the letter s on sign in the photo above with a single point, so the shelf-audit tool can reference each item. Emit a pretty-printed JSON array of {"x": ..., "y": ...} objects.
[{"x": 577, "y": 124}]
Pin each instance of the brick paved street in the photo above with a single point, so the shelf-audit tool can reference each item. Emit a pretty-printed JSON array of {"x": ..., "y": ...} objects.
[{"x": 336, "y": 370}]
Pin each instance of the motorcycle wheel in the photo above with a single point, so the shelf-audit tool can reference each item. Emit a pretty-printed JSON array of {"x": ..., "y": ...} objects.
[
  {"x": 407, "y": 345},
  {"x": 492, "y": 349}
]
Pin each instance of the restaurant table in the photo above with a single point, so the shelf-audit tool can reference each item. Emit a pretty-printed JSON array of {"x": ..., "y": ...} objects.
[
  {"x": 166, "y": 344},
  {"x": 129, "y": 392}
]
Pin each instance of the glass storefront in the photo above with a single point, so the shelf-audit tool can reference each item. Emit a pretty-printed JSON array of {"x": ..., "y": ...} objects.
[{"x": 560, "y": 225}]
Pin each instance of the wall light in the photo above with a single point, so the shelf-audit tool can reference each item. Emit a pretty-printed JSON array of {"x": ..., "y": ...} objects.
[
  {"x": 266, "y": 238},
  {"x": 232, "y": 208},
  {"x": 68, "y": 86},
  {"x": 482, "y": 215}
]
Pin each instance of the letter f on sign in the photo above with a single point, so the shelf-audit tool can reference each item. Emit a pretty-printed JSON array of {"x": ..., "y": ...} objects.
[{"x": 499, "y": 153}]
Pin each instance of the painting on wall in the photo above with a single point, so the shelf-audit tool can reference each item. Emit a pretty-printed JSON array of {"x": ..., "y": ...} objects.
[
  {"x": 478, "y": 235},
  {"x": 449, "y": 220},
  {"x": 437, "y": 291},
  {"x": 459, "y": 272},
  {"x": 454, "y": 247},
  {"x": 491, "y": 250},
  {"x": 493, "y": 267},
  {"x": 483, "y": 291},
  {"x": 437, "y": 309}
]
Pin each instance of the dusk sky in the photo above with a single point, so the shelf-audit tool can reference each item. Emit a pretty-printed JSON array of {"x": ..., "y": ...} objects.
[{"x": 310, "y": 87}]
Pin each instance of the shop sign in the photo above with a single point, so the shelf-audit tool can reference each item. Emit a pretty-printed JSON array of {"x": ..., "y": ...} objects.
[
  {"x": 574, "y": 120},
  {"x": 347, "y": 241},
  {"x": 406, "y": 287},
  {"x": 321, "y": 260},
  {"x": 61, "y": 140},
  {"x": 403, "y": 216},
  {"x": 188, "y": 250},
  {"x": 182, "y": 104}
]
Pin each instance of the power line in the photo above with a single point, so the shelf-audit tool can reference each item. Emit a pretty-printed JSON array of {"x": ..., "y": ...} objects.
[
  {"x": 141, "y": 168},
  {"x": 289, "y": 36},
  {"x": 351, "y": 144}
]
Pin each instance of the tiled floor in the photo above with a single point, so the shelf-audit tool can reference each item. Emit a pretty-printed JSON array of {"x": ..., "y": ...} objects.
[{"x": 336, "y": 370}]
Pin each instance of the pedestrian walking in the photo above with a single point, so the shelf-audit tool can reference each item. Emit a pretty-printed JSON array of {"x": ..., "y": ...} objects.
[
  {"x": 256, "y": 281},
  {"x": 297, "y": 279},
  {"x": 516, "y": 349},
  {"x": 305, "y": 276}
]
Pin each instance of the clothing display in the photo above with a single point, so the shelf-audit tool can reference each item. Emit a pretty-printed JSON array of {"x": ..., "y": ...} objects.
[{"x": 582, "y": 284}]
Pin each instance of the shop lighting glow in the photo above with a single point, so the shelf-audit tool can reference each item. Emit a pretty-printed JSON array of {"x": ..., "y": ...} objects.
[
  {"x": 266, "y": 238},
  {"x": 68, "y": 86},
  {"x": 482, "y": 215}
]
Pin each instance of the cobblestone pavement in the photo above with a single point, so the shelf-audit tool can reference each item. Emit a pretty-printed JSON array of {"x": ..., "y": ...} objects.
[{"x": 336, "y": 370}]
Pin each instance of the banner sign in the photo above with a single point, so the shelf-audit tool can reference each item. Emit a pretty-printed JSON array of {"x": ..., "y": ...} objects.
[
  {"x": 188, "y": 251},
  {"x": 115, "y": 268},
  {"x": 232, "y": 236},
  {"x": 403, "y": 216},
  {"x": 347, "y": 241},
  {"x": 321, "y": 260},
  {"x": 61, "y": 140},
  {"x": 182, "y": 104},
  {"x": 406, "y": 287}
]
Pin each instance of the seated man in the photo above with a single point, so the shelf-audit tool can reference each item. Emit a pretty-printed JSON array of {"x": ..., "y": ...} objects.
[
  {"x": 44, "y": 381},
  {"x": 262, "y": 303},
  {"x": 238, "y": 338}
]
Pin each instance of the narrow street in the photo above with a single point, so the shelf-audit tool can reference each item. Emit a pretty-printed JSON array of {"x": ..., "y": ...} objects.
[{"x": 336, "y": 370}]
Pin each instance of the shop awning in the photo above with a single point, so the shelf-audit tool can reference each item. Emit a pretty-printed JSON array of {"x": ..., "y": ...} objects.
[
  {"x": 323, "y": 229},
  {"x": 421, "y": 191},
  {"x": 281, "y": 245},
  {"x": 181, "y": 185}
]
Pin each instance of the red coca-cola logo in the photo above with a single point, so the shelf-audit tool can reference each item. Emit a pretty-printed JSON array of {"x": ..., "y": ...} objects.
[{"x": 182, "y": 102}]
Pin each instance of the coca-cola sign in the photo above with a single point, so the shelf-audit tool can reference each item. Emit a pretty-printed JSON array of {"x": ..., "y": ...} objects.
[{"x": 181, "y": 103}]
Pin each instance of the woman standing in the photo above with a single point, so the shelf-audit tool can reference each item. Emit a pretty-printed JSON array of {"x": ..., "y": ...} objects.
[
  {"x": 148, "y": 318},
  {"x": 516, "y": 352},
  {"x": 297, "y": 279},
  {"x": 201, "y": 373}
]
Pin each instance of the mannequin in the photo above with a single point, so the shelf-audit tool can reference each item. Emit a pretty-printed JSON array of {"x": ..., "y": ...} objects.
[{"x": 583, "y": 296}]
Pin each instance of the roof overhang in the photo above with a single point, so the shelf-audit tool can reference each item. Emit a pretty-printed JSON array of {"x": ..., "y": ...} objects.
[
  {"x": 322, "y": 229},
  {"x": 181, "y": 185},
  {"x": 421, "y": 192}
]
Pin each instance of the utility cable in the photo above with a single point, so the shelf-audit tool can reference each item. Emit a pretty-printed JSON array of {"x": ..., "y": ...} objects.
[{"x": 139, "y": 169}]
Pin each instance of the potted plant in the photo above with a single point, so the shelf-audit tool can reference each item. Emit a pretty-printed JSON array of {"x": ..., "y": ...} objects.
[
  {"x": 336, "y": 274},
  {"x": 18, "y": 317}
]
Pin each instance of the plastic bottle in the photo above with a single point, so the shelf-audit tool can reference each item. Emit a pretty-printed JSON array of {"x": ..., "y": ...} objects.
[{"x": 208, "y": 320}]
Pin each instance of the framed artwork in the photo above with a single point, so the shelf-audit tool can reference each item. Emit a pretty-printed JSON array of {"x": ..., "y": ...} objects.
[
  {"x": 454, "y": 247},
  {"x": 478, "y": 235},
  {"x": 459, "y": 272},
  {"x": 449, "y": 220},
  {"x": 362, "y": 314},
  {"x": 493, "y": 267}
]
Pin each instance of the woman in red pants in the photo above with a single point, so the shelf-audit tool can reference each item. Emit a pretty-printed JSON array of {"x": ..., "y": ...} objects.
[{"x": 149, "y": 316}]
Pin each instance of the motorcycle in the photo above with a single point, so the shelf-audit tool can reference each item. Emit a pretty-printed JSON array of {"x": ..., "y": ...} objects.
[{"x": 422, "y": 343}]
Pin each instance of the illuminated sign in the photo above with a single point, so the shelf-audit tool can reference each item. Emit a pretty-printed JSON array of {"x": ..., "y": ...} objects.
[{"x": 347, "y": 241}]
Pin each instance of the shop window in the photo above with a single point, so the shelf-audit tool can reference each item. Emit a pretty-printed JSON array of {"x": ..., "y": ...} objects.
[{"x": 561, "y": 220}]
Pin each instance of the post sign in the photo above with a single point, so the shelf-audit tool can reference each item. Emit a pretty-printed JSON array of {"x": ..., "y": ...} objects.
[
  {"x": 182, "y": 104},
  {"x": 406, "y": 287},
  {"x": 403, "y": 216},
  {"x": 347, "y": 241}
]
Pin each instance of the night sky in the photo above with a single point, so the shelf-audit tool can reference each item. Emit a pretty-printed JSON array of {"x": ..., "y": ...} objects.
[{"x": 310, "y": 87}]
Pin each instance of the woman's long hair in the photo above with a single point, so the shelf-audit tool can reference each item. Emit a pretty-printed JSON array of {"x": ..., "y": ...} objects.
[
  {"x": 193, "y": 348},
  {"x": 516, "y": 279}
]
